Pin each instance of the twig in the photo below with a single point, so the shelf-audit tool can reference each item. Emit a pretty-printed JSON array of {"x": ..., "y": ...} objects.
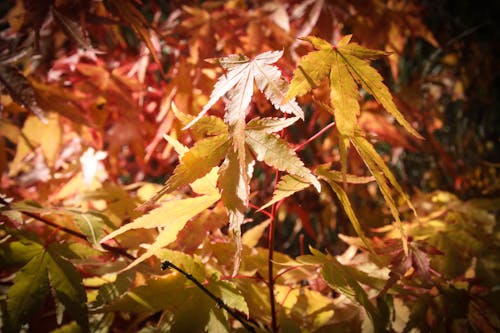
[
  {"x": 270, "y": 247},
  {"x": 167, "y": 264},
  {"x": 303, "y": 144},
  {"x": 110, "y": 248}
]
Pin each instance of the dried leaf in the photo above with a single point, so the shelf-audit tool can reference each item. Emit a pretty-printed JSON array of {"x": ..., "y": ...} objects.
[{"x": 21, "y": 91}]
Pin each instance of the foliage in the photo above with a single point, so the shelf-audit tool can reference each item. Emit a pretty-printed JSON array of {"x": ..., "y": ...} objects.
[{"x": 284, "y": 134}]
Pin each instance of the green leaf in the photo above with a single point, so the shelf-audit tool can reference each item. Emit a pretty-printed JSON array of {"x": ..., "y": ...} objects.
[
  {"x": 342, "y": 279},
  {"x": 67, "y": 283},
  {"x": 217, "y": 321},
  {"x": 18, "y": 252},
  {"x": 93, "y": 224},
  {"x": 287, "y": 186},
  {"x": 229, "y": 294},
  {"x": 27, "y": 294},
  {"x": 276, "y": 153},
  {"x": 190, "y": 264}
]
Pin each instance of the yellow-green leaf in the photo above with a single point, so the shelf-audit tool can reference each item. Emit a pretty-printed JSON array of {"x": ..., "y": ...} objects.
[
  {"x": 194, "y": 164},
  {"x": 372, "y": 82},
  {"x": 288, "y": 185},
  {"x": 277, "y": 153},
  {"x": 344, "y": 96},
  {"x": 172, "y": 215},
  {"x": 313, "y": 67},
  {"x": 344, "y": 200},
  {"x": 67, "y": 283},
  {"x": 381, "y": 173},
  {"x": 172, "y": 218},
  {"x": 205, "y": 185},
  {"x": 26, "y": 295}
]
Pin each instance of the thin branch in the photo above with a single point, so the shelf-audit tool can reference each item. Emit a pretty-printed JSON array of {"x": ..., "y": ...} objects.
[
  {"x": 324, "y": 129},
  {"x": 110, "y": 248},
  {"x": 270, "y": 247},
  {"x": 167, "y": 264}
]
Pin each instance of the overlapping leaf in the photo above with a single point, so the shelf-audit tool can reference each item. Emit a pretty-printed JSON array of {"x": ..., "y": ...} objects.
[
  {"x": 45, "y": 266},
  {"x": 346, "y": 65},
  {"x": 239, "y": 80}
]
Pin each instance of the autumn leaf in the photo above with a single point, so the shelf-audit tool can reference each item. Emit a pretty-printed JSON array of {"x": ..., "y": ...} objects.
[
  {"x": 346, "y": 65},
  {"x": 71, "y": 28},
  {"x": 276, "y": 153},
  {"x": 332, "y": 178},
  {"x": 194, "y": 164},
  {"x": 384, "y": 177},
  {"x": 287, "y": 186},
  {"x": 238, "y": 83},
  {"x": 130, "y": 15}
]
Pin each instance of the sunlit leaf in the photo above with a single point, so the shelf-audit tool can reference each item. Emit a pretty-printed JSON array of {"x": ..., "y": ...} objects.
[
  {"x": 287, "y": 186},
  {"x": 252, "y": 236},
  {"x": 270, "y": 125},
  {"x": 345, "y": 64},
  {"x": 276, "y": 153},
  {"x": 194, "y": 164},
  {"x": 346, "y": 204},
  {"x": 238, "y": 83}
]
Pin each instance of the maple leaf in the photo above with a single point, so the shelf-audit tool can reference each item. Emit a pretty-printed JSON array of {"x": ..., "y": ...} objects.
[
  {"x": 346, "y": 65},
  {"x": 276, "y": 152},
  {"x": 238, "y": 83},
  {"x": 194, "y": 164},
  {"x": 44, "y": 266}
]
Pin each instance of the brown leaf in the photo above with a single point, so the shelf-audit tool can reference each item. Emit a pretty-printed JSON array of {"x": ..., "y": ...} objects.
[{"x": 20, "y": 89}]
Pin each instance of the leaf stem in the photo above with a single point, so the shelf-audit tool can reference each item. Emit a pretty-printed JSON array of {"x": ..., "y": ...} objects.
[
  {"x": 167, "y": 264},
  {"x": 324, "y": 129}
]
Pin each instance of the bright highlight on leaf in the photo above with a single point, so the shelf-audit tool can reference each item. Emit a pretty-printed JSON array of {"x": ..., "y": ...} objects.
[{"x": 239, "y": 80}]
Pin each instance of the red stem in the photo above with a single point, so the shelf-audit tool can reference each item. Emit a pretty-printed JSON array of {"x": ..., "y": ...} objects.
[
  {"x": 324, "y": 129},
  {"x": 270, "y": 246}
]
